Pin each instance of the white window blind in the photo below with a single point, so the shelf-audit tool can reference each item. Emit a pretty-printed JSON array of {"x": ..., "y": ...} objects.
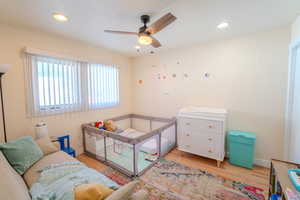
[
  {"x": 103, "y": 86},
  {"x": 59, "y": 85}
]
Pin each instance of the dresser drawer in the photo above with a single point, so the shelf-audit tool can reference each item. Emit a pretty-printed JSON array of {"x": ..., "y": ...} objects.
[
  {"x": 188, "y": 137},
  {"x": 201, "y": 144},
  {"x": 188, "y": 124}
]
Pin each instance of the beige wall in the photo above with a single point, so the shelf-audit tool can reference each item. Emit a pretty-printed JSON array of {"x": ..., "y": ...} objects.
[
  {"x": 296, "y": 29},
  {"x": 248, "y": 76},
  {"x": 12, "y": 40}
]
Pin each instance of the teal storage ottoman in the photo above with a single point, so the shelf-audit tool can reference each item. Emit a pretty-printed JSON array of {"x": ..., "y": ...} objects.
[{"x": 241, "y": 148}]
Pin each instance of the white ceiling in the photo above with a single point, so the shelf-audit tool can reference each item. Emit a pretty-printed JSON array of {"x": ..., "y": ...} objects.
[{"x": 196, "y": 23}]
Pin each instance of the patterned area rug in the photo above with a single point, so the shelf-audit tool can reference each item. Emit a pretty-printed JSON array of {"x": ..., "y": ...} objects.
[{"x": 169, "y": 180}]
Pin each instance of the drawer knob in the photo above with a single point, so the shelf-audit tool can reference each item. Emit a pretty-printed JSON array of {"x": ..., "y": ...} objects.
[
  {"x": 210, "y": 139},
  {"x": 187, "y": 124},
  {"x": 187, "y": 134},
  {"x": 210, "y": 126}
]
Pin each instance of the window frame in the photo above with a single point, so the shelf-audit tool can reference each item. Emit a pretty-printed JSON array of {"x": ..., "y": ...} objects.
[{"x": 81, "y": 104}]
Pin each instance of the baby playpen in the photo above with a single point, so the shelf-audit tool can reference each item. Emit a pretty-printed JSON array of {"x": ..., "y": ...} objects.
[{"x": 135, "y": 146}]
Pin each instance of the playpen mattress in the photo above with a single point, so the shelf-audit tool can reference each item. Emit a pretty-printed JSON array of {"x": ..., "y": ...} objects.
[{"x": 149, "y": 146}]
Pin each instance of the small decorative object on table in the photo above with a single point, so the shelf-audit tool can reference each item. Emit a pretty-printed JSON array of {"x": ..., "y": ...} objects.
[
  {"x": 275, "y": 197},
  {"x": 66, "y": 148},
  {"x": 280, "y": 183},
  {"x": 291, "y": 195},
  {"x": 294, "y": 175}
]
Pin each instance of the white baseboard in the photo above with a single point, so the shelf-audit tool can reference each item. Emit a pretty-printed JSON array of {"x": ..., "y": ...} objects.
[{"x": 263, "y": 163}]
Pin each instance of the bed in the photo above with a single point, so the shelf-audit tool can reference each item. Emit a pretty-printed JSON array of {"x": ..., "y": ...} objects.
[{"x": 135, "y": 147}]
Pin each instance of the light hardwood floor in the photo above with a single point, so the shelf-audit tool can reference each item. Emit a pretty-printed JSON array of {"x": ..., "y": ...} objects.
[{"x": 258, "y": 176}]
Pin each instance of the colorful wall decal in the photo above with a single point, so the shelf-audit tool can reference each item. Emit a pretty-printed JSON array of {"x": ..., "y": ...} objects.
[
  {"x": 158, "y": 76},
  {"x": 140, "y": 81},
  {"x": 206, "y": 75}
]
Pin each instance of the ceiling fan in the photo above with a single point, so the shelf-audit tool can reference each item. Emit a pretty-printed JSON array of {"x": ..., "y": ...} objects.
[{"x": 145, "y": 33}]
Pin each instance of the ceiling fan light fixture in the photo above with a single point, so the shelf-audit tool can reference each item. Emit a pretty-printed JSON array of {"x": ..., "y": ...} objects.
[
  {"x": 145, "y": 39},
  {"x": 145, "y": 32}
]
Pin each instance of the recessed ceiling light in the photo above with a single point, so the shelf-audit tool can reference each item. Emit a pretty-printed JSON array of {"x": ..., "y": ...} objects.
[
  {"x": 223, "y": 25},
  {"x": 60, "y": 17},
  {"x": 137, "y": 47}
]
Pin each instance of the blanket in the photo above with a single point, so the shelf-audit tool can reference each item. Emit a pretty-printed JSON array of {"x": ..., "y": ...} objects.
[{"x": 57, "y": 182}]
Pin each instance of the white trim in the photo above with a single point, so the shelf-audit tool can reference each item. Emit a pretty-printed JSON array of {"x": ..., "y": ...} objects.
[
  {"x": 41, "y": 52},
  {"x": 290, "y": 96},
  {"x": 262, "y": 163}
]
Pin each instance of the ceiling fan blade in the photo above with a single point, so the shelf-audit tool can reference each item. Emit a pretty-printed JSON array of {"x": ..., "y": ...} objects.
[
  {"x": 161, "y": 23},
  {"x": 120, "y": 32},
  {"x": 155, "y": 43}
]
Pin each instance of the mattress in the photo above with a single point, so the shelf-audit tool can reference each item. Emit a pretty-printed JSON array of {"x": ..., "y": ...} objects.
[
  {"x": 132, "y": 133},
  {"x": 149, "y": 146}
]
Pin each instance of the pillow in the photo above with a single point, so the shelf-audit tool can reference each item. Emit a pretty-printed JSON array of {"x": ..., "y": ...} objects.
[
  {"x": 92, "y": 192},
  {"x": 21, "y": 153},
  {"x": 124, "y": 192},
  {"x": 46, "y": 145}
]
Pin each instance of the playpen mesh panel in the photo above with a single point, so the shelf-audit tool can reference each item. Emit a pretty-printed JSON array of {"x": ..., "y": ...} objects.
[
  {"x": 140, "y": 125},
  {"x": 168, "y": 140},
  {"x": 120, "y": 153},
  {"x": 147, "y": 153},
  {"x": 94, "y": 144},
  {"x": 135, "y": 155}
]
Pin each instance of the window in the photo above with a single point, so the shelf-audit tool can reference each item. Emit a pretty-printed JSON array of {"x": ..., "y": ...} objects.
[
  {"x": 59, "y": 85},
  {"x": 103, "y": 84}
]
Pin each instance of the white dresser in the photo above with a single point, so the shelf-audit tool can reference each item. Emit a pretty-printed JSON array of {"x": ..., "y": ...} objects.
[{"x": 202, "y": 131}]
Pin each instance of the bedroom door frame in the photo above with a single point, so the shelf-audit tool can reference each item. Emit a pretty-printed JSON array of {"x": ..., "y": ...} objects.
[{"x": 293, "y": 49}]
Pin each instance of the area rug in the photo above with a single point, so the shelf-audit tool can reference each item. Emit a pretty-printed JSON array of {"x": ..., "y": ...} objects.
[{"x": 169, "y": 180}]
